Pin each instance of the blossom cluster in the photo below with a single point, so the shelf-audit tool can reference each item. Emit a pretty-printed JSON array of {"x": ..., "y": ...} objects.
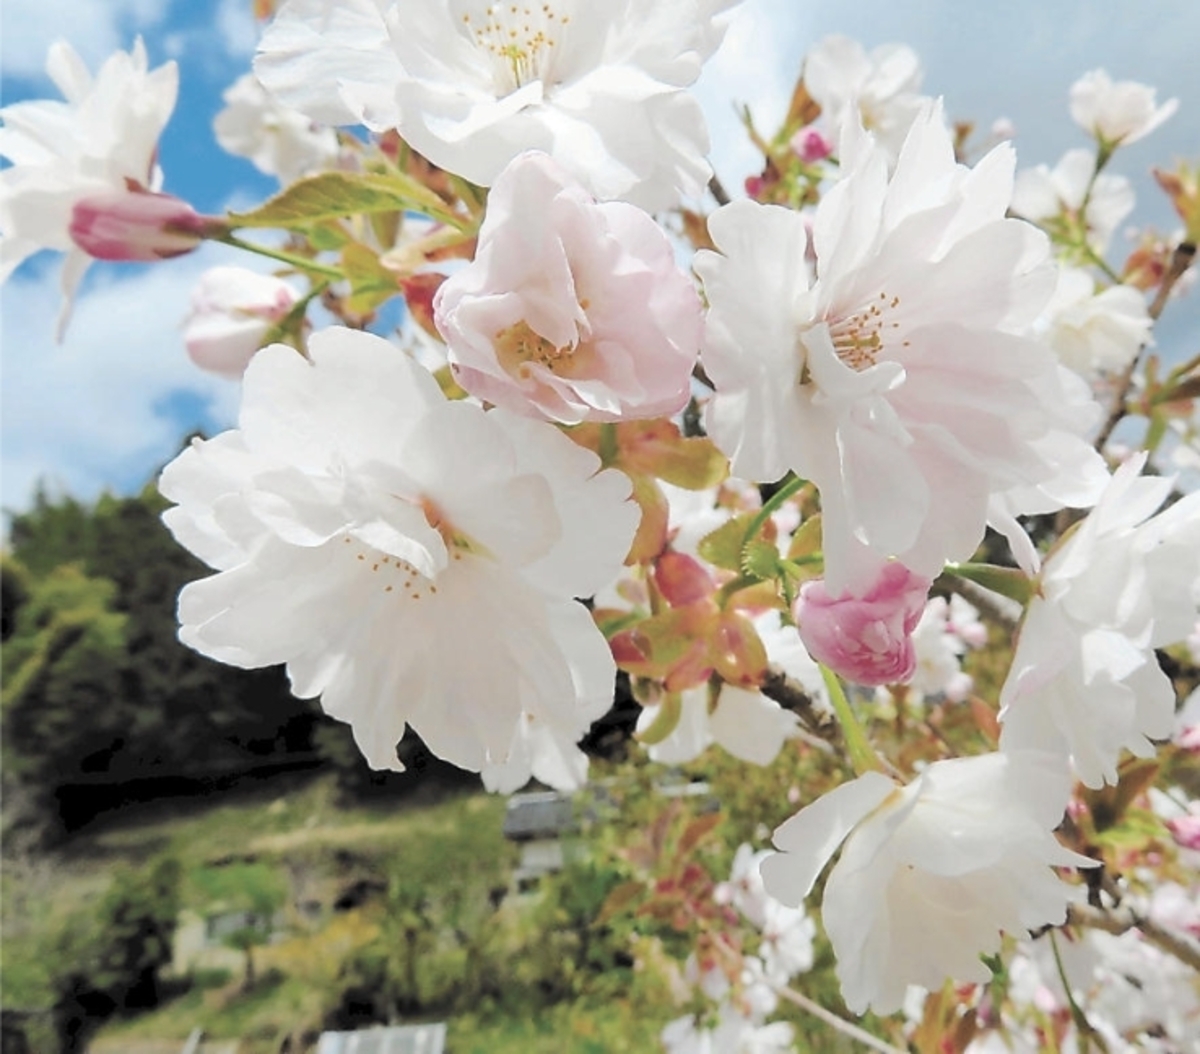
[{"x": 733, "y": 486}]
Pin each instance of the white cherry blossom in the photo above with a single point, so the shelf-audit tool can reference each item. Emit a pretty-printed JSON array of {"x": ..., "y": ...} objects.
[
  {"x": 412, "y": 560},
  {"x": 1043, "y": 193},
  {"x": 543, "y": 752},
  {"x": 1095, "y": 332},
  {"x": 102, "y": 139},
  {"x": 1118, "y": 112},
  {"x": 930, "y": 873},
  {"x": 880, "y": 89},
  {"x": 470, "y": 84},
  {"x": 744, "y": 723},
  {"x": 1084, "y": 680},
  {"x": 901, "y": 381},
  {"x": 278, "y": 140}
]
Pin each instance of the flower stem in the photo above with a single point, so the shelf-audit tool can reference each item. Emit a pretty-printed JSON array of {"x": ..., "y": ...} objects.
[
  {"x": 835, "y": 1022},
  {"x": 1181, "y": 260},
  {"x": 862, "y": 754},
  {"x": 1084, "y": 1026},
  {"x": 300, "y": 263},
  {"x": 1010, "y": 582},
  {"x": 785, "y": 491}
]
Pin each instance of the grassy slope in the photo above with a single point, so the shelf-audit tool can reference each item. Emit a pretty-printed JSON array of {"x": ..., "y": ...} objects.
[{"x": 303, "y": 827}]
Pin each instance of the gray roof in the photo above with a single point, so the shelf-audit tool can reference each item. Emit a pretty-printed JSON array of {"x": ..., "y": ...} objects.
[
  {"x": 400, "y": 1039},
  {"x": 538, "y": 814}
]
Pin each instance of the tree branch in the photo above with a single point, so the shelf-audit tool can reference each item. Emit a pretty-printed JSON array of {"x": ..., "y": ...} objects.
[
  {"x": 1122, "y": 920},
  {"x": 1181, "y": 260}
]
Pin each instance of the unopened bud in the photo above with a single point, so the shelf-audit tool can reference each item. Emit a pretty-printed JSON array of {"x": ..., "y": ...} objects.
[
  {"x": 810, "y": 145},
  {"x": 137, "y": 226}
]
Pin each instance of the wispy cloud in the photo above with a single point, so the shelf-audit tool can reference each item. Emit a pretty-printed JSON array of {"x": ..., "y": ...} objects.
[
  {"x": 111, "y": 403},
  {"x": 95, "y": 27}
]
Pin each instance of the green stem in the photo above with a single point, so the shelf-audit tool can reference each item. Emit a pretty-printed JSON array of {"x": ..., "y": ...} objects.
[
  {"x": 862, "y": 754},
  {"x": 1007, "y": 581},
  {"x": 609, "y": 446},
  {"x": 786, "y": 490},
  {"x": 1086, "y": 1031},
  {"x": 300, "y": 263}
]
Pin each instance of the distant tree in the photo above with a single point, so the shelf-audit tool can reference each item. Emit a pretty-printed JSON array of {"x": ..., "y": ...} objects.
[
  {"x": 111, "y": 958},
  {"x": 63, "y": 702},
  {"x": 257, "y": 891},
  {"x": 142, "y": 705},
  {"x": 14, "y": 591}
]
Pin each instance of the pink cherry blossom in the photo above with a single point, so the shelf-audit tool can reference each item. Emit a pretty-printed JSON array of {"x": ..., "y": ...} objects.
[
  {"x": 1185, "y": 830},
  {"x": 572, "y": 310},
  {"x": 142, "y": 227},
  {"x": 867, "y": 638}
]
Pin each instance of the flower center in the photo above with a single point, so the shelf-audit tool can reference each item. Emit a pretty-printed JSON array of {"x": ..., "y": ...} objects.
[
  {"x": 859, "y": 339},
  {"x": 520, "y": 40},
  {"x": 519, "y": 346},
  {"x": 392, "y": 574}
]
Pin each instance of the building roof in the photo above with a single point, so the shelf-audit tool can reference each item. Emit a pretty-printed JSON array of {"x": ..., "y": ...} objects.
[
  {"x": 539, "y": 814},
  {"x": 399, "y": 1039}
]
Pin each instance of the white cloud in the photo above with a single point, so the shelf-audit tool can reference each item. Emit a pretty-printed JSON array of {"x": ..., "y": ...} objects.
[
  {"x": 237, "y": 27},
  {"x": 95, "y": 413},
  {"x": 96, "y": 28},
  {"x": 756, "y": 66}
]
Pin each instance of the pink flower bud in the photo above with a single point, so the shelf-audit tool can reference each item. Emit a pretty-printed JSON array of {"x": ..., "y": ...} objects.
[
  {"x": 866, "y": 639},
  {"x": 681, "y": 579},
  {"x": 233, "y": 310},
  {"x": 1185, "y": 830},
  {"x": 810, "y": 145},
  {"x": 136, "y": 226},
  {"x": 1189, "y": 739}
]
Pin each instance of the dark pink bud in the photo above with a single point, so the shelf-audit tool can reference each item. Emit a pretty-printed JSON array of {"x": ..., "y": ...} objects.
[
  {"x": 866, "y": 639},
  {"x": 810, "y": 145},
  {"x": 137, "y": 226}
]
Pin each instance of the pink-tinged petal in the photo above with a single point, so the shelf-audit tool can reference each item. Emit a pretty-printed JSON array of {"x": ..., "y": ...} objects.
[{"x": 571, "y": 311}]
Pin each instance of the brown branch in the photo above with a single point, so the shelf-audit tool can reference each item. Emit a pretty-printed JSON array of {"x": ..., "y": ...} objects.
[
  {"x": 792, "y": 695},
  {"x": 717, "y": 189},
  {"x": 1122, "y": 920},
  {"x": 1181, "y": 260}
]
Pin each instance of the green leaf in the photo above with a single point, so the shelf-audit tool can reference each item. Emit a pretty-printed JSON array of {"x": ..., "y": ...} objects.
[
  {"x": 331, "y": 195},
  {"x": 807, "y": 539},
  {"x": 371, "y": 284},
  {"x": 329, "y": 235},
  {"x": 723, "y": 547},
  {"x": 760, "y": 558}
]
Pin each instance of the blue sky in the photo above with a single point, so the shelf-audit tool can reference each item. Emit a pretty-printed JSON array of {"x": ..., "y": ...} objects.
[{"x": 106, "y": 407}]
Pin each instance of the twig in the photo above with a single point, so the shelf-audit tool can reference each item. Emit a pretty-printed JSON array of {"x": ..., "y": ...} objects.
[
  {"x": 835, "y": 1022},
  {"x": 1122, "y": 920},
  {"x": 792, "y": 695},
  {"x": 717, "y": 189},
  {"x": 1181, "y": 260}
]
